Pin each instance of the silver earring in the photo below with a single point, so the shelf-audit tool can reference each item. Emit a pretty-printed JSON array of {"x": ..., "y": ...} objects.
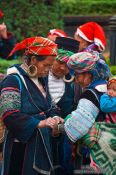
[{"x": 68, "y": 81}]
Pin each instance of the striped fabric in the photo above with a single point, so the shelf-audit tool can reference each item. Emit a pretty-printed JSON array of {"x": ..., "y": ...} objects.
[
  {"x": 56, "y": 87},
  {"x": 81, "y": 120}
]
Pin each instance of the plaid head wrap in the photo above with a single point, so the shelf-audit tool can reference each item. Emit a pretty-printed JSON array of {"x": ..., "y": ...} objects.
[
  {"x": 63, "y": 55},
  {"x": 36, "y": 46},
  {"x": 89, "y": 62},
  {"x": 82, "y": 61}
]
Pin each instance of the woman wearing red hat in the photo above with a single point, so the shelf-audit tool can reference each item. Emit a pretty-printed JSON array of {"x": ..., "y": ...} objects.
[
  {"x": 27, "y": 111},
  {"x": 91, "y": 37}
]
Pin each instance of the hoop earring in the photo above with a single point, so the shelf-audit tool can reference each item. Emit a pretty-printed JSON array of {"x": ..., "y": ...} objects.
[
  {"x": 32, "y": 71},
  {"x": 68, "y": 81}
]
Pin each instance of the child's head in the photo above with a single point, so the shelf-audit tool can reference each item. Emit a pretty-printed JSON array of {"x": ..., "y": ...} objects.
[{"x": 112, "y": 87}]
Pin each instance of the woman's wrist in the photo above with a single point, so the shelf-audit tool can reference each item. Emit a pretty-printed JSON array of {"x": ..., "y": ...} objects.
[{"x": 42, "y": 124}]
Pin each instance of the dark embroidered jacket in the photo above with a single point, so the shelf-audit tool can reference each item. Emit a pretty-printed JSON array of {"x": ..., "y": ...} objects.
[{"x": 22, "y": 111}]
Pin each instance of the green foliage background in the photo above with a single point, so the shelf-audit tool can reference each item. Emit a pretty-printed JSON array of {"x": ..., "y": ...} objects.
[
  {"x": 34, "y": 17},
  {"x": 89, "y": 7},
  {"x": 27, "y": 18},
  {"x": 31, "y": 17}
]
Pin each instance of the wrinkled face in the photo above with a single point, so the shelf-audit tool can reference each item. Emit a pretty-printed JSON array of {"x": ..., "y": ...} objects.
[
  {"x": 84, "y": 79},
  {"x": 44, "y": 66},
  {"x": 82, "y": 43},
  {"x": 59, "y": 69},
  {"x": 112, "y": 90}
]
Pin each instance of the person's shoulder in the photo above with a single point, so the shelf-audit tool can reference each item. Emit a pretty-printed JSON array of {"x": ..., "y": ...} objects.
[
  {"x": 91, "y": 95},
  {"x": 10, "y": 81}
]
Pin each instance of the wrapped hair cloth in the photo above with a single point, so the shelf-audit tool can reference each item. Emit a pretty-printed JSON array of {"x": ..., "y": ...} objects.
[
  {"x": 36, "y": 46},
  {"x": 89, "y": 62},
  {"x": 64, "y": 55}
]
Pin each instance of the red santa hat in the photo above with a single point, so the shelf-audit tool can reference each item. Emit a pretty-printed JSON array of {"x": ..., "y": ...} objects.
[
  {"x": 92, "y": 32},
  {"x": 57, "y": 32},
  {"x": 1, "y": 14}
]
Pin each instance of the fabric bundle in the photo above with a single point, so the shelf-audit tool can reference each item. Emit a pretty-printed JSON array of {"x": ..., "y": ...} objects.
[{"x": 104, "y": 150}]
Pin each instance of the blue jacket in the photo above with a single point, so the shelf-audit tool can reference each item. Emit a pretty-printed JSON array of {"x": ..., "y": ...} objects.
[
  {"x": 22, "y": 126},
  {"x": 107, "y": 103}
]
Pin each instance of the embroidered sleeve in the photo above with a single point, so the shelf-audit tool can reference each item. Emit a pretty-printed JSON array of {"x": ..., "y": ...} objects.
[
  {"x": 19, "y": 124},
  {"x": 81, "y": 119},
  {"x": 10, "y": 101}
]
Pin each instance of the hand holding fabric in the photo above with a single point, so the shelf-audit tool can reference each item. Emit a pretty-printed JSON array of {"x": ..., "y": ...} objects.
[
  {"x": 51, "y": 122},
  {"x": 55, "y": 130}
]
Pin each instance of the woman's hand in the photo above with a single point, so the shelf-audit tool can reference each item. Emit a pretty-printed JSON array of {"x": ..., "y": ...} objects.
[{"x": 49, "y": 122}]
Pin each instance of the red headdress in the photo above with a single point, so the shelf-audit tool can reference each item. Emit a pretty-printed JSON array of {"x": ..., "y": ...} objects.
[
  {"x": 92, "y": 32},
  {"x": 112, "y": 80},
  {"x": 36, "y": 46},
  {"x": 1, "y": 14},
  {"x": 57, "y": 32}
]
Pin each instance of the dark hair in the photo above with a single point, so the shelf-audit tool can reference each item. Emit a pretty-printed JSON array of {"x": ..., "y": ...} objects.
[
  {"x": 69, "y": 44},
  {"x": 27, "y": 58}
]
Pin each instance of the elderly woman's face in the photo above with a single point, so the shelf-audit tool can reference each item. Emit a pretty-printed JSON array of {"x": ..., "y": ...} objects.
[
  {"x": 44, "y": 66},
  {"x": 59, "y": 69},
  {"x": 84, "y": 79}
]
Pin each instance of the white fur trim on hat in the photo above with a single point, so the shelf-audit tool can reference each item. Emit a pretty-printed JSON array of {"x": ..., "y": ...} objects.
[
  {"x": 99, "y": 44},
  {"x": 81, "y": 34}
]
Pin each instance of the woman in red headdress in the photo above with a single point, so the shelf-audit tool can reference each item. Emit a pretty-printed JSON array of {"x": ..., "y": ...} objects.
[{"x": 27, "y": 111}]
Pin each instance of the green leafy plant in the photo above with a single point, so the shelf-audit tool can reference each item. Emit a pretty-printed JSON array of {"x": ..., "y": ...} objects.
[
  {"x": 31, "y": 18},
  {"x": 112, "y": 67},
  {"x": 4, "y": 64},
  {"x": 89, "y": 7}
]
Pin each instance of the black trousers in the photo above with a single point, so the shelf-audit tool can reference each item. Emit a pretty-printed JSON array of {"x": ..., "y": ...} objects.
[{"x": 17, "y": 157}]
